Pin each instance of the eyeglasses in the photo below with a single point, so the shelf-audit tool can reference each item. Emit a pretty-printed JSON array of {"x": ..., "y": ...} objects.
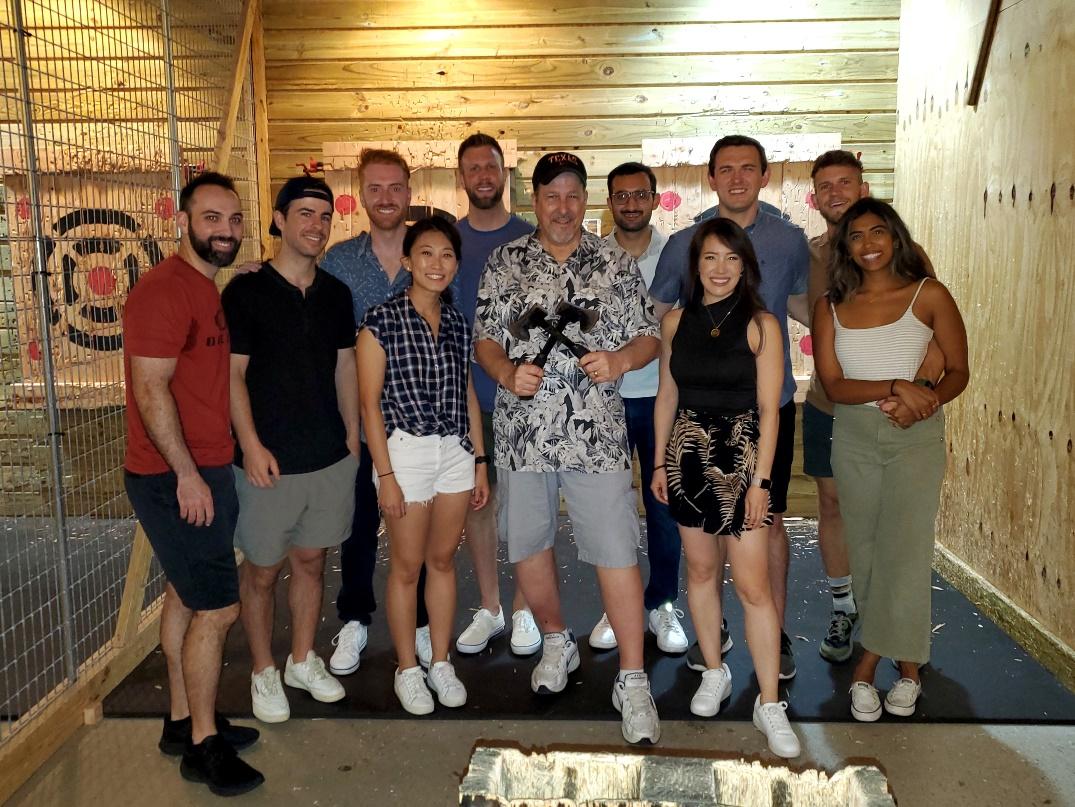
[{"x": 621, "y": 197}]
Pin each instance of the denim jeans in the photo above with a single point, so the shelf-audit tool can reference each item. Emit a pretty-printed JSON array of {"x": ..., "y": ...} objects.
[{"x": 662, "y": 533}]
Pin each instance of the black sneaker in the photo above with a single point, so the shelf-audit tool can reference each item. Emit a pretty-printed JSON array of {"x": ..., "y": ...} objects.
[
  {"x": 176, "y": 735},
  {"x": 695, "y": 659},
  {"x": 215, "y": 763},
  {"x": 837, "y": 645},
  {"x": 787, "y": 659}
]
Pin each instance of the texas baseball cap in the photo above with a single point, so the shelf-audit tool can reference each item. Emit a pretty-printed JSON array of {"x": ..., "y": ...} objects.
[
  {"x": 552, "y": 165},
  {"x": 299, "y": 188}
]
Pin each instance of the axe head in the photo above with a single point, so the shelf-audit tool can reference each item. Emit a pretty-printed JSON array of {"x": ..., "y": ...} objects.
[
  {"x": 567, "y": 313},
  {"x": 533, "y": 317}
]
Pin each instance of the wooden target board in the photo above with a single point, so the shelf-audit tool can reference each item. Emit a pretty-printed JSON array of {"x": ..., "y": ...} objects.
[{"x": 102, "y": 232}]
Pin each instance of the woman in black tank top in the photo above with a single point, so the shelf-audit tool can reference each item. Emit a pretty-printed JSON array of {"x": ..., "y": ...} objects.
[{"x": 715, "y": 418}]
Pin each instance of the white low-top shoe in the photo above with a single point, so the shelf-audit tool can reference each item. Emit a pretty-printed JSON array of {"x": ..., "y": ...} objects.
[
  {"x": 664, "y": 624},
  {"x": 903, "y": 697},
  {"x": 349, "y": 644},
  {"x": 865, "y": 704},
  {"x": 267, "y": 697},
  {"x": 423, "y": 646},
  {"x": 715, "y": 688},
  {"x": 602, "y": 636},
  {"x": 410, "y": 687},
  {"x": 638, "y": 713},
  {"x": 448, "y": 688},
  {"x": 771, "y": 719},
  {"x": 525, "y": 636},
  {"x": 559, "y": 658},
  {"x": 312, "y": 676},
  {"x": 483, "y": 628}
]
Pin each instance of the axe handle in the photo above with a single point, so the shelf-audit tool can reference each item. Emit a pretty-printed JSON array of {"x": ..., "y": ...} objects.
[{"x": 540, "y": 359}]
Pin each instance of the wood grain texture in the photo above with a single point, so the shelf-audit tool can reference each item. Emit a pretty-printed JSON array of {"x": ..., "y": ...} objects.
[{"x": 990, "y": 194}]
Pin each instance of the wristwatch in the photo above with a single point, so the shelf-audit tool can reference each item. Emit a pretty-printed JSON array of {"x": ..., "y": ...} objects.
[
  {"x": 761, "y": 482},
  {"x": 924, "y": 382},
  {"x": 482, "y": 460}
]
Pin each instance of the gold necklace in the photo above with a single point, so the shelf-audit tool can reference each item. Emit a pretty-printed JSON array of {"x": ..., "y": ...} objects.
[{"x": 715, "y": 332}]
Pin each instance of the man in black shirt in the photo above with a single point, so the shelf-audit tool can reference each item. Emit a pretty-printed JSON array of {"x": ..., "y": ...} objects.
[{"x": 294, "y": 410}]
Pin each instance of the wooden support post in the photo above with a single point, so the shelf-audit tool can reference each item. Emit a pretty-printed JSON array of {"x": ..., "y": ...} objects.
[
  {"x": 134, "y": 589},
  {"x": 983, "y": 53},
  {"x": 261, "y": 133},
  {"x": 226, "y": 129}
]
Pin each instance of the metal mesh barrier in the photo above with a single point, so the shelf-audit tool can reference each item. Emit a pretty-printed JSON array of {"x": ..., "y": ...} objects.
[{"x": 106, "y": 108}]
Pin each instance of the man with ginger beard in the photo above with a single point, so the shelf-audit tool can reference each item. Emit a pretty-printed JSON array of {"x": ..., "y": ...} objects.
[
  {"x": 487, "y": 225},
  {"x": 371, "y": 265}
]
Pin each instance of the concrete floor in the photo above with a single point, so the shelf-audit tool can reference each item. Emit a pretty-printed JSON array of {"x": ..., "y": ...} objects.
[{"x": 412, "y": 763}]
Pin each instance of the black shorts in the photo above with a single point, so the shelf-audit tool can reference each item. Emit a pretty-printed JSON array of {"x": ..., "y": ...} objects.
[
  {"x": 785, "y": 451},
  {"x": 199, "y": 562}
]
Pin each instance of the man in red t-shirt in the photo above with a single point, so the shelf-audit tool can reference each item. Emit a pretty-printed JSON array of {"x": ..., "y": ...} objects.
[{"x": 178, "y": 473}]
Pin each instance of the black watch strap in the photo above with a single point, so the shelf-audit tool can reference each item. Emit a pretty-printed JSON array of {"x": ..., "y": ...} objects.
[{"x": 482, "y": 459}]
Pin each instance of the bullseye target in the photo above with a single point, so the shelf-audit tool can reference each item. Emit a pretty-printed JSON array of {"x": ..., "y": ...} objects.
[{"x": 94, "y": 258}]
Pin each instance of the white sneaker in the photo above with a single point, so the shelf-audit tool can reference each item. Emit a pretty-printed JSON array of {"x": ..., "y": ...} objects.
[
  {"x": 483, "y": 628},
  {"x": 771, "y": 719},
  {"x": 903, "y": 697},
  {"x": 349, "y": 644},
  {"x": 715, "y": 688},
  {"x": 559, "y": 658},
  {"x": 450, "y": 690},
  {"x": 664, "y": 624},
  {"x": 632, "y": 699},
  {"x": 411, "y": 689},
  {"x": 602, "y": 636},
  {"x": 865, "y": 704},
  {"x": 525, "y": 636},
  {"x": 267, "y": 696},
  {"x": 423, "y": 646},
  {"x": 312, "y": 676}
]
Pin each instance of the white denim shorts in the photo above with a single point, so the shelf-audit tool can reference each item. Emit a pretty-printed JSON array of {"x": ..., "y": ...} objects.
[{"x": 426, "y": 466}]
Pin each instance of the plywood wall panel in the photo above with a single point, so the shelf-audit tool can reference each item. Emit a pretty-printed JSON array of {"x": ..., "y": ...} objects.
[
  {"x": 988, "y": 192},
  {"x": 348, "y": 42}
]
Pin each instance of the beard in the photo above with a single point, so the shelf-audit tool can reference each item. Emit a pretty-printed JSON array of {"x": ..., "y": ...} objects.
[
  {"x": 204, "y": 249},
  {"x": 486, "y": 203},
  {"x": 631, "y": 226}
]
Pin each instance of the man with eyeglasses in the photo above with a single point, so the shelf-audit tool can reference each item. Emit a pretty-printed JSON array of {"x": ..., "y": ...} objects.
[{"x": 632, "y": 198}]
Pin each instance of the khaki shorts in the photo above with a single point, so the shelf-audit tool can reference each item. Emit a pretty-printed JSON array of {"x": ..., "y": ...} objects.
[
  {"x": 308, "y": 511},
  {"x": 602, "y": 509}
]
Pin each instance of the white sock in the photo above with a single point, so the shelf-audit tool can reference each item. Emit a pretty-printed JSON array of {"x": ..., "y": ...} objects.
[{"x": 842, "y": 597}]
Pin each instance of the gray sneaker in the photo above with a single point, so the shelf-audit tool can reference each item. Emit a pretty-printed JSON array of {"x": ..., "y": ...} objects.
[
  {"x": 559, "y": 658},
  {"x": 787, "y": 659},
  {"x": 837, "y": 644},
  {"x": 695, "y": 659}
]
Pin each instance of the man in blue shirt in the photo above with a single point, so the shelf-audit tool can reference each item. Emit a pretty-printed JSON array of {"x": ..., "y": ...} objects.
[
  {"x": 371, "y": 264},
  {"x": 487, "y": 225},
  {"x": 738, "y": 170}
]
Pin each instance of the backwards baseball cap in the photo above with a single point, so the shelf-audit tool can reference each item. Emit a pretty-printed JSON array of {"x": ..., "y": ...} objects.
[
  {"x": 552, "y": 165},
  {"x": 299, "y": 188}
]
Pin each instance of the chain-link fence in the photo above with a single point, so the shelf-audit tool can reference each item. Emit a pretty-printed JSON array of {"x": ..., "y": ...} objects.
[{"x": 106, "y": 108}]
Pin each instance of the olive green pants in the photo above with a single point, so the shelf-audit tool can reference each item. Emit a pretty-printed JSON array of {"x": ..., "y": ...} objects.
[{"x": 889, "y": 483}]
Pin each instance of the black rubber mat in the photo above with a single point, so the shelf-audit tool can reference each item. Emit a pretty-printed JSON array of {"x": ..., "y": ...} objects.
[{"x": 977, "y": 674}]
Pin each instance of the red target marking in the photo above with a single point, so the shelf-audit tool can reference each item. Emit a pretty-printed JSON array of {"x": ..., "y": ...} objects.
[
  {"x": 346, "y": 204},
  {"x": 164, "y": 207},
  {"x": 22, "y": 208},
  {"x": 101, "y": 281},
  {"x": 34, "y": 349},
  {"x": 811, "y": 201},
  {"x": 806, "y": 345},
  {"x": 670, "y": 200}
]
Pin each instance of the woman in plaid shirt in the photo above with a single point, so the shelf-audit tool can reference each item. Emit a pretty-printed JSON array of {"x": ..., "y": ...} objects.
[{"x": 423, "y": 429}]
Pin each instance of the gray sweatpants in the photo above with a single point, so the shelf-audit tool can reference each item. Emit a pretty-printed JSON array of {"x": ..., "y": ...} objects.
[{"x": 889, "y": 483}]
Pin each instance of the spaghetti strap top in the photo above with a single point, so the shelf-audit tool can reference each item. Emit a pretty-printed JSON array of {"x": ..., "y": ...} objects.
[{"x": 892, "y": 351}]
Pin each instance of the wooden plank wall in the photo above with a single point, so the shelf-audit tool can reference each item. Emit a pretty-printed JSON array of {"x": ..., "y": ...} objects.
[
  {"x": 990, "y": 193},
  {"x": 595, "y": 78}
]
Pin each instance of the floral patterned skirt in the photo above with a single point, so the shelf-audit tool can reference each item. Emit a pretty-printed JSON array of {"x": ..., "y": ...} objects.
[{"x": 709, "y": 462}]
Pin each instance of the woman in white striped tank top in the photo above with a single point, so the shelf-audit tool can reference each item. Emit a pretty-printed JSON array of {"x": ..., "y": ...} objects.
[{"x": 888, "y": 452}]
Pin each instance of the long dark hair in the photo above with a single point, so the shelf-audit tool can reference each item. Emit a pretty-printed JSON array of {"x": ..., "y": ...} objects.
[
  {"x": 845, "y": 276},
  {"x": 442, "y": 226},
  {"x": 734, "y": 238}
]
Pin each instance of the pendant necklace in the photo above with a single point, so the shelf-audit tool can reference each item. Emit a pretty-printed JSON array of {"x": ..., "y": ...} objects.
[{"x": 715, "y": 332}]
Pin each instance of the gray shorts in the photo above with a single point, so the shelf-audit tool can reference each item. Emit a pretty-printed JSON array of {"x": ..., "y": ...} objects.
[
  {"x": 309, "y": 511},
  {"x": 602, "y": 509}
]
